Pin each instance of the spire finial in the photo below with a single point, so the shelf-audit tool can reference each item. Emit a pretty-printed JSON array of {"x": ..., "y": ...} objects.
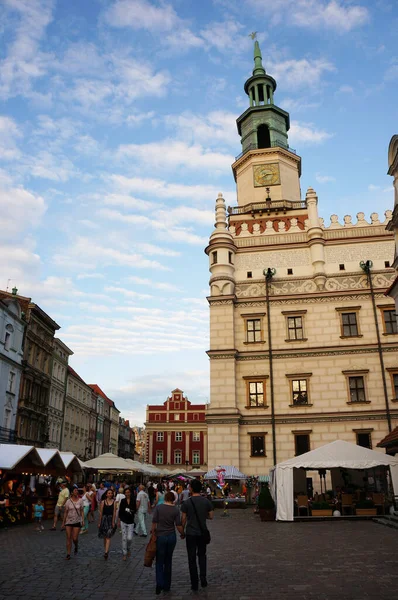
[{"x": 258, "y": 63}]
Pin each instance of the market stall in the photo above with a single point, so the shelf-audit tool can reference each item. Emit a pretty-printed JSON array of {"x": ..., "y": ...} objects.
[
  {"x": 227, "y": 491},
  {"x": 339, "y": 457}
]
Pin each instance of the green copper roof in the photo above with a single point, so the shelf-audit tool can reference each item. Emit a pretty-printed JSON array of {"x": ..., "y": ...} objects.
[{"x": 258, "y": 63}]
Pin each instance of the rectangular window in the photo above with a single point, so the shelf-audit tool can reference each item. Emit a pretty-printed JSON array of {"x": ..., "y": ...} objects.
[
  {"x": 230, "y": 258},
  {"x": 11, "y": 381},
  {"x": 159, "y": 457},
  {"x": 196, "y": 417},
  {"x": 364, "y": 439},
  {"x": 390, "y": 322},
  {"x": 157, "y": 417},
  {"x": 214, "y": 258},
  {"x": 253, "y": 330},
  {"x": 178, "y": 436},
  {"x": 357, "y": 389},
  {"x": 177, "y": 457},
  {"x": 349, "y": 324},
  {"x": 196, "y": 457},
  {"x": 295, "y": 328},
  {"x": 196, "y": 436},
  {"x": 159, "y": 436},
  {"x": 257, "y": 444},
  {"x": 299, "y": 392},
  {"x": 176, "y": 417},
  {"x": 177, "y": 405},
  {"x": 302, "y": 443},
  {"x": 256, "y": 393},
  {"x": 395, "y": 384}
]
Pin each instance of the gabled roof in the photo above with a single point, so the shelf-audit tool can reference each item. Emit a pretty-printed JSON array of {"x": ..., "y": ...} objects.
[
  {"x": 73, "y": 372},
  {"x": 97, "y": 390},
  {"x": 177, "y": 391},
  {"x": 390, "y": 440}
]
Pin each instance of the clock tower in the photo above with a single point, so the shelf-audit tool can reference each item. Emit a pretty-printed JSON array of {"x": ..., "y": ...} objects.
[{"x": 266, "y": 161}]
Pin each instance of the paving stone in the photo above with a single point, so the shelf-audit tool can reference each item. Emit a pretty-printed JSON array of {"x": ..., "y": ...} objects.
[{"x": 247, "y": 560}]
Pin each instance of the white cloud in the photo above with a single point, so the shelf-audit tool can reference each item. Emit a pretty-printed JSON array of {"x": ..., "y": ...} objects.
[
  {"x": 307, "y": 134},
  {"x": 136, "y": 119},
  {"x": 153, "y": 284},
  {"x": 128, "y": 293},
  {"x": 46, "y": 165},
  {"x": 295, "y": 105},
  {"x": 140, "y": 14},
  {"x": 19, "y": 208},
  {"x": 152, "y": 249},
  {"x": 162, "y": 189},
  {"x": 346, "y": 89},
  {"x": 373, "y": 188},
  {"x": 91, "y": 276},
  {"x": 9, "y": 134},
  {"x": 24, "y": 62},
  {"x": 297, "y": 73},
  {"x": 127, "y": 201},
  {"x": 173, "y": 154},
  {"x": 324, "y": 178},
  {"x": 340, "y": 16},
  {"x": 216, "y": 128}
]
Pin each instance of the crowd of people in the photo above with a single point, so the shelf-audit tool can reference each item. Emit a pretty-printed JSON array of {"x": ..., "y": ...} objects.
[{"x": 175, "y": 508}]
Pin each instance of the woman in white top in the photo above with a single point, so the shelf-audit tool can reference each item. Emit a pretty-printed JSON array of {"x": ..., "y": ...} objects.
[{"x": 87, "y": 498}]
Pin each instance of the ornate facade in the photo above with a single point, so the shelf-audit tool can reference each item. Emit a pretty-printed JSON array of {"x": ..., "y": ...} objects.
[
  {"x": 61, "y": 354},
  {"x": 126, "y": 443},
  {"x": 12, "y": 328},
  {"x": 77, "y": 416},
  {"x": 393, "y": 224},
  {"x": 176, "y": 433},
  {"x": 303, "y": 340},
  {"x": 107, "y": 422}
]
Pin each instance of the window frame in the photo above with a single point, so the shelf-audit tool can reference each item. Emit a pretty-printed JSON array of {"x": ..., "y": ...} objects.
[
  {"x": 345, "y": 311},
  {"x": 256, "y": 379},
  {"x": 262, "y": 435},
  {"x": 197, "y": 453},
  {"x": 383, "y": 311},
  {"x": 177, "y": 452},
  {"x": 159, "y": 454},
  {"x": 368, "y": 432},
  {"x": 290, "y": 314},
  {"x": 357, "y": 373},
  {"x": 179, "y": 434},
  {"x": 196, "y": 436},
  {"x": 297, "y": 434},
  {"x": 254, "y": 317},
  {"x": 160, "y": 436},
  {"x": 299, "y": 377},
  {"x": 393, "y": 372}
]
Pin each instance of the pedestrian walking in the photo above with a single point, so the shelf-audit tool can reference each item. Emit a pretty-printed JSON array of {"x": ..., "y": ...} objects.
[
  {"x": 142, "y": 511},
  {"x": 127, "y": 510},
  {"x": 60, "y": 506},
  {"x": 93, "y": 507},
  {"x": 73, "y": 520},
  {"x": 151, "y": 494},
  {"x": 184, "y": 495},
  {"x": 87, "y": 499},
  {"x": 159, "y": 499},
  {"x": 195, "y": 511},
  {"x": 166, "y": 518},
  {"x": 100, "y": 492},
  {"x": 107, "y": 517},
  {"x": 38, "y": 510}
]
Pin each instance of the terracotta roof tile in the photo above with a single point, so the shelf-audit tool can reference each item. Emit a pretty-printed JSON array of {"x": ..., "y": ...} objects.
[{"x": 391, "y": 438}]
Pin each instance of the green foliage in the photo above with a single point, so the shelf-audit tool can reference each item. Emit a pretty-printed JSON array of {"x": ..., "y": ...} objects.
[{"x": 265, "y": 499}]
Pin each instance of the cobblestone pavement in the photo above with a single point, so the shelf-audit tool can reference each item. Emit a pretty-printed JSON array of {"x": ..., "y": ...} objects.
[{"x": 247, "y": 560}]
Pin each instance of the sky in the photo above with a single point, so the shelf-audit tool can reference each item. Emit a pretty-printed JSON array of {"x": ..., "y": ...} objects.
[{"x": 117, "y": 131}]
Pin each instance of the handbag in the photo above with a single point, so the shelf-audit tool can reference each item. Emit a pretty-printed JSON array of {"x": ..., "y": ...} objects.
[
  {"x": 205, "y": 532},
  {"x": 150, "y": 551}
]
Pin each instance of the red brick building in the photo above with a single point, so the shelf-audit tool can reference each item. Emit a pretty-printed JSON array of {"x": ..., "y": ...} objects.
[{"x": 176, "y": 433}]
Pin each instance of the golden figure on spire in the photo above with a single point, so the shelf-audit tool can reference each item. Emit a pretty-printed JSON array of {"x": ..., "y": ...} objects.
[{"x": 253, "y": 35}]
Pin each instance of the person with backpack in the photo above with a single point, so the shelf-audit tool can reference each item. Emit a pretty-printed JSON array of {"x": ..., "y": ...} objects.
[
  {"x": 195, "y": 511},
  {"x": 127, "y": 510}
]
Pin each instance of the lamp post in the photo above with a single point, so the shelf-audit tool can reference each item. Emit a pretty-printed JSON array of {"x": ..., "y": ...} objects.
[
  {"x": 366, "y": 267},
  {"x": 269, "y": 273}
]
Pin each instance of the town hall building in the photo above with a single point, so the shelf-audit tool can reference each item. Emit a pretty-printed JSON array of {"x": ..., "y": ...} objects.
[{"x": 303, "y": 338}]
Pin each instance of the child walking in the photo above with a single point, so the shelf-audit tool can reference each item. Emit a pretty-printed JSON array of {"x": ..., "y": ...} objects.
[{"x": 38, "y": 510}]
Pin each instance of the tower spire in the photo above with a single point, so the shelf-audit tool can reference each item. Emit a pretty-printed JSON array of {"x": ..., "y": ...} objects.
[{"x": 258, "y": 60}]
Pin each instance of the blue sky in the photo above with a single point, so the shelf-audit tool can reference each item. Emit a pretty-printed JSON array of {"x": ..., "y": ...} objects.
[{"x": 117, "y": 131}]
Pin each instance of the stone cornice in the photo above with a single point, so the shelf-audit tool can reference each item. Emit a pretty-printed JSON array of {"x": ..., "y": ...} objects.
[
  {"x": 299, "y": 352},
  {"x": 319, "y": 418}
]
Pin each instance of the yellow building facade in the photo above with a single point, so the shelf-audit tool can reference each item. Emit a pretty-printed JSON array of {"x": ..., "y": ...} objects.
[{"x": 303, "y": 339}]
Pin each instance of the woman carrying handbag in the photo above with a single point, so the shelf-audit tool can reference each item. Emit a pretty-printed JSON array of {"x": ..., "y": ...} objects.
[
  {"x": 73, "y": 520},
  {"x": 107, "y": 519},
  {"x": 165, "y": 520}
]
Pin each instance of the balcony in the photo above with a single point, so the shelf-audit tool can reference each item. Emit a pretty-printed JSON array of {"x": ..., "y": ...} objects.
[
  {"x": 274, "y": 144},
  {"x": 266, "y": 207},
  {"x": 8, "y": 436}
]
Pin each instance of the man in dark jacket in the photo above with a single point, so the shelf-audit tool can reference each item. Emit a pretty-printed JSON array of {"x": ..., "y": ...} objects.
[{"x": 195, "y": 511}]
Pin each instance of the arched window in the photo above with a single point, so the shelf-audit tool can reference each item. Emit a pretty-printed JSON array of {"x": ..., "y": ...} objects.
[{"x": 263, "y": 137}]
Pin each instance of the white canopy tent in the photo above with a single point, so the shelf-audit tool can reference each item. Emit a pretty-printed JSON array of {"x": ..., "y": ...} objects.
[
  {"x": 12, "y": 455},
  {"x": 230, "y": 472},
  {"x": 334, "y": 455},
  {"x": 108, "y": 462}
]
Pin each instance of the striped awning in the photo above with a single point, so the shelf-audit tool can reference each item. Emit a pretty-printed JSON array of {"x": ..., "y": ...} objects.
[
  {"x": 263, "y": 478},
  {"x": 231, "y": 472}
]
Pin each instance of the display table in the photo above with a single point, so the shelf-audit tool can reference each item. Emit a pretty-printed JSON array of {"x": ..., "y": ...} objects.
[{"x": 229, "y": 502}]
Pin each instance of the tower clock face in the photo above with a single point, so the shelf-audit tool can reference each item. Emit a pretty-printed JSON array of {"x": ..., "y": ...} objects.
[{"x": 264, "y": 175}]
